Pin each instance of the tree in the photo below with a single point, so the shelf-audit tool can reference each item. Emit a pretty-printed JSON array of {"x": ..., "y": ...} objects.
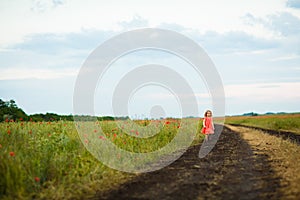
[
  {"x": 9, "y": 110},
  {"x": 2, "y": 104},
  {"x": 12, "y": 104}
]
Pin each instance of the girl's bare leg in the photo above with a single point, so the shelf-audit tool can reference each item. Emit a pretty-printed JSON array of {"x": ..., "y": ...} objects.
[{"x": 206, "y": 137}]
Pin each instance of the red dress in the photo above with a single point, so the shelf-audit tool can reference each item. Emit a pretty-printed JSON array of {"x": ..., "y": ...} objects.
[{"x": 208, "y": 126}]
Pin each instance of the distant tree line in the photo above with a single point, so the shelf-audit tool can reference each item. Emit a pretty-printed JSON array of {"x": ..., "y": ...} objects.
[
  {"x": 50, "y": 117},
  {"x": 10, "y": 111},
  {"x": 250, "y": 114}
]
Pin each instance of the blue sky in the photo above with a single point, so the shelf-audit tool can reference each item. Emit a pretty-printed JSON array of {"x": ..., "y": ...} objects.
[{"x": 255, "y": 46}]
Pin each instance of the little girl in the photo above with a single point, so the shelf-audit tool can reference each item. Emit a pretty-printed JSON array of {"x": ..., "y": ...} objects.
[{"x": 208, "y": 125}]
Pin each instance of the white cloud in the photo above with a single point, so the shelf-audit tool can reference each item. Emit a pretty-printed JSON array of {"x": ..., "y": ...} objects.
[
  {"x": 266, "y": 92},
  {"x": 42, "y": 16},
  {"x": 15, "y": 74},
  {"x": 286, "y": 57},
  {"x": 44, "y": 5},
  {"x": 253, "y": 40}
]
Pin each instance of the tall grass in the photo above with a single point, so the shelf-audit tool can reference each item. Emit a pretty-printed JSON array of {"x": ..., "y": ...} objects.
[{"x": 48, "y": 159}]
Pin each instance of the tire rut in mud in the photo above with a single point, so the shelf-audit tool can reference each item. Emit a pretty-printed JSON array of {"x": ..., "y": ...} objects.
[{"x": 230, "y": 171}]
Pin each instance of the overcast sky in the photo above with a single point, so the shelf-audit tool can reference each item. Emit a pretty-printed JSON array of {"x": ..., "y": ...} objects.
[{"x": 255, "y": 46}]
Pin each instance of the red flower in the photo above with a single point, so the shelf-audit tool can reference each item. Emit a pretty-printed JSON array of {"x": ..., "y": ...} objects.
[
  {"x": 0, "y": 146},
  {"x": 178, "y": 126},
  {"x": 137, "y": 133},
  {"x": 6, "y": 120},
  {"x": 37, "y": 179},
  {"x": 115, "y": 135},
  {"x": 167, "y": 122},
  {"x": 30, "y": 132},
  {"x": 95, "y": 131},
  {"x": 12, "y": 153},
  {"x": 21, "y": 119},
  {"x": 8, "y": 132},
  {"x": 101, "y": 137},
  {"x": 11, "y": 120}
]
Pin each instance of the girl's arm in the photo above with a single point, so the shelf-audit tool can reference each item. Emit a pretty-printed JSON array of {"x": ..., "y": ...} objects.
[
  {"x": 212, "y": 122},
  {"x": 204, "y": 122}
]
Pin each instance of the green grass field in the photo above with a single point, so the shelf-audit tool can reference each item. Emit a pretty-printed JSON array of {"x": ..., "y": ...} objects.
[
  {"x": 48, "y": 159},
  {"x": 279, "y": 122}
]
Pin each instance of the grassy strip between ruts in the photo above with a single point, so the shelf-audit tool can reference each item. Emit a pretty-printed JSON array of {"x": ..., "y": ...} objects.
[
  {"x": 47, "y": 160},
  {"x": 278, "y": 122},
  {"x": 283, "y": 155}
]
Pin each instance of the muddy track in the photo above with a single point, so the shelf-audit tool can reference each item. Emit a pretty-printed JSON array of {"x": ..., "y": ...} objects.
[
  {"x": 231, "y": 171},
  {"x": 286, "y": 135}
]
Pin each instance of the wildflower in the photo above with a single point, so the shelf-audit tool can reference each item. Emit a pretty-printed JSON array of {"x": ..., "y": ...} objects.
[
  {"x": 115, "y": 135},
  {"x": 8, "y": 132},
  {"x": 11, "y": 120},
  {"x": 37, "y": 179},
  {"x": 86, "y": 141},
  {"x": 21, "y": 119},
  {"x": 95, "y": 131},
  {"x": 101, "y": 137},
  {"x": 167, "y": 122},
  {"x": 0, "y": 146},
  {"x": 6, "y": 120},
  {"x": 12, "y": 154},
  {"x": 30, "y": 132},
  {"x": 137, "y": 133}
]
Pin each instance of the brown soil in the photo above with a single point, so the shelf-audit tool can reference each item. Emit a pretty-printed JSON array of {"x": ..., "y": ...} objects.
[{"x": 234, "y": 169}]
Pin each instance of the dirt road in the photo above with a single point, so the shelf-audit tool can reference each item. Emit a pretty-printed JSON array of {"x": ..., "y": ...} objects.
[{"x": 233, "y": 170}]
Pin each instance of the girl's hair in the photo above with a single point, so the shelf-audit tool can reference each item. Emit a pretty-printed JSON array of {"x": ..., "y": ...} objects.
[{"x": 205, "y": 114}]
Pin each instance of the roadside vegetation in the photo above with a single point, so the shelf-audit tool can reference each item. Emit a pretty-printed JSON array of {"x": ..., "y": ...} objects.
[{"x": 277, "y": 122}]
